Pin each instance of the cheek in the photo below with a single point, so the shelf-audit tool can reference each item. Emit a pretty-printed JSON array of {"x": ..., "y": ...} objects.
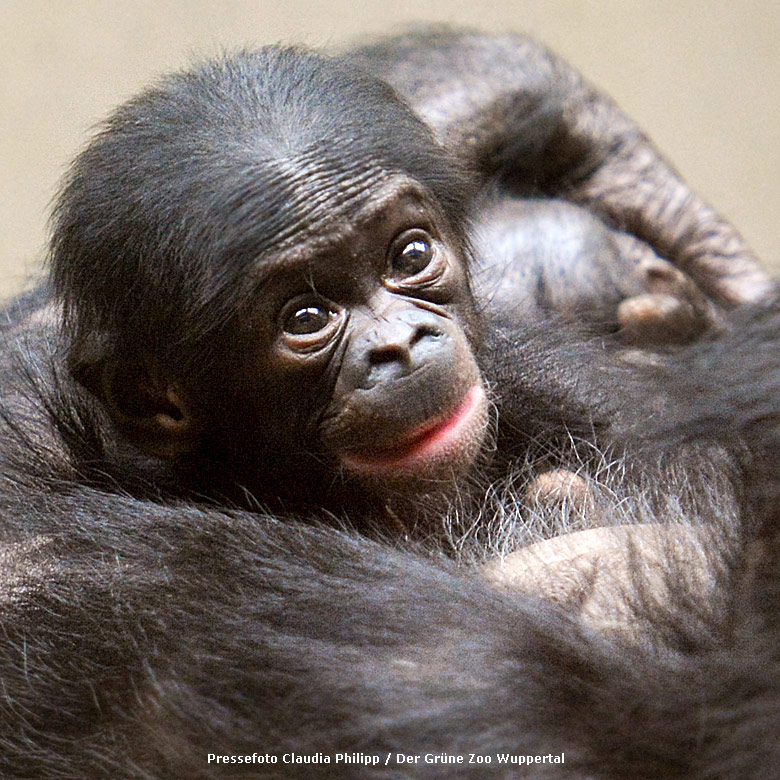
[
  {"x": 468, "y": 317},
  {"x": 268, "y": 404}
]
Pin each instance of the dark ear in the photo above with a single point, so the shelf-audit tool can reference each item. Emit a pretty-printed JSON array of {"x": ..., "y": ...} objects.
[{"x": 146, "y": 406}]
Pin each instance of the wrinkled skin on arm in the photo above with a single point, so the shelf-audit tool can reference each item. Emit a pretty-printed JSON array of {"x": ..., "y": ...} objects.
[{"x": 524, "y": 117}]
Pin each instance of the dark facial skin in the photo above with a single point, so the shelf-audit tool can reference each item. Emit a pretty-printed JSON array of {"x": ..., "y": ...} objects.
[
  {"x": 366, "y": 331},
  {"x": 386, "y": 311}
]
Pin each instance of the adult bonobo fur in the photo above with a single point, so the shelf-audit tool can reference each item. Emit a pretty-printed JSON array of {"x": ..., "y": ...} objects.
[{"x": 260, "y": 442}]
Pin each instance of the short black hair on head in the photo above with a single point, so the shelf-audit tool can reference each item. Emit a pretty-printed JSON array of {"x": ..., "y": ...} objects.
[{"x": 162, "y": 215}]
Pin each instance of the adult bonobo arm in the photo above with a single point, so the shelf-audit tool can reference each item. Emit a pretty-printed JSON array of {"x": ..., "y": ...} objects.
[
  {"x": 139, "y": 638},
  {"x": 521, "y": 115}
]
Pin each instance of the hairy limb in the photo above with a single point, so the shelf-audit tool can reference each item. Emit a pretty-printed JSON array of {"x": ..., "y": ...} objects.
[{"x": 520, "y": 114}]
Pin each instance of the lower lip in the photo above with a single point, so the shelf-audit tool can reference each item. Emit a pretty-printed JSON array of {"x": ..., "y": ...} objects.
[{"x": 429, "y": 442}]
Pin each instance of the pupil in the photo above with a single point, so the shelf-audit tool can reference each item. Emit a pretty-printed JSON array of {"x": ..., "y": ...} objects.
[
  {"x": 415, "y": 256},
  {"x": 308, "y": 320}
]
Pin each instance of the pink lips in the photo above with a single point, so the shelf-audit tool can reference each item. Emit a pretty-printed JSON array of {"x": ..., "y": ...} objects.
[{"x": 432, "y": 440}]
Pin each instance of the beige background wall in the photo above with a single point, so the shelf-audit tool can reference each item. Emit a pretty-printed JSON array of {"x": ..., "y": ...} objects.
[{"x": 700, "y": 77}]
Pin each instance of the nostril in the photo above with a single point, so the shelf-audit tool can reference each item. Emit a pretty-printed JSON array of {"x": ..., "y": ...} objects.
[
  {"x": 399, "y": 350},
  {"x": 424, "y": 331},
  {"x": 388, "y": 353}
]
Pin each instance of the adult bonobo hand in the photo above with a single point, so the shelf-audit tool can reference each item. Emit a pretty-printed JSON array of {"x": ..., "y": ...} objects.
[{"x": 533, "y": 128}]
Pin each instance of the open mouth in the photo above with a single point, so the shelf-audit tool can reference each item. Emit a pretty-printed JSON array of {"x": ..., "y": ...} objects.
[{"x": 435, "y": 439}]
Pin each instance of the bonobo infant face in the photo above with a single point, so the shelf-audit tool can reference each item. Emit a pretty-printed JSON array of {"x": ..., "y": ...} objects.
[
  {"x": 370, "y": 323},
  {"x": 350, "y": 357},
  {"x": 263, "y": 270}
]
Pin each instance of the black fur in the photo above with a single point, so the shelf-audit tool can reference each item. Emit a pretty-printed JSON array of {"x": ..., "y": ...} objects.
[{"x": 139, "y": 636}]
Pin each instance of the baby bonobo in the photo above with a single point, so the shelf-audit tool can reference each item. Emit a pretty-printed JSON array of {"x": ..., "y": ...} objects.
[
  {"x": 289, "y": 316},
  {"x": 293, "y": 305}
]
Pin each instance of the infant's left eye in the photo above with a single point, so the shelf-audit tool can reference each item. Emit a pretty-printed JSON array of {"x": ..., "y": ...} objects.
[{"x": 411, "y": 254}]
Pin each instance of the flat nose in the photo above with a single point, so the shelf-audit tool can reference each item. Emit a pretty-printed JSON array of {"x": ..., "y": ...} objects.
[
  {"x": 396, "y": 339},
  {"x": 393, "y": 345}
]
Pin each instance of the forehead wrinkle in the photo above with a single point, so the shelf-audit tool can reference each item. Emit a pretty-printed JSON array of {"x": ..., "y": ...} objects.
[
  {"x": 330, "y": 230},
  {"x": 318, "y": 188}
]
